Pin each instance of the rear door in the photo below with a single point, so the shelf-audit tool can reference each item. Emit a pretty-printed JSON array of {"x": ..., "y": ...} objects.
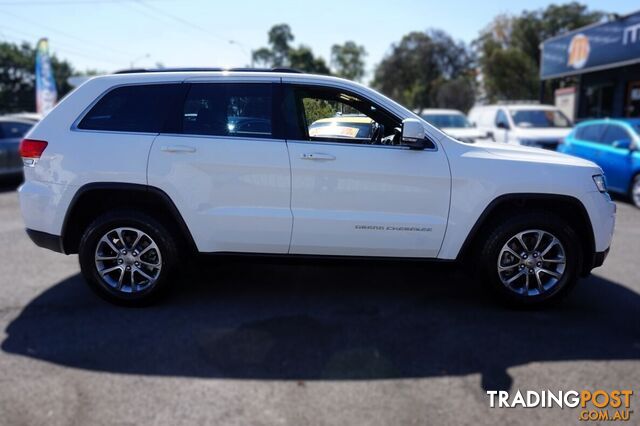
[
  {"x": 354, "y": 196},
  {"x": 224, "y": 163}
]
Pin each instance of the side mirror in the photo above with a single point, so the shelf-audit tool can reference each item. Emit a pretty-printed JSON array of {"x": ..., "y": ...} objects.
[
  {"x": 622, "y": 144},
  {"x": 502, "y": 125},
  {"x": 413, "y": 134}
]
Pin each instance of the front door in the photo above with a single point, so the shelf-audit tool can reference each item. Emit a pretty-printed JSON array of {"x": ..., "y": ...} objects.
[{"x": 355, "y": 190}]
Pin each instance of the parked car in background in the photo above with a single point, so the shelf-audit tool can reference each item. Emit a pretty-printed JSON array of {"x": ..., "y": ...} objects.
[
  {"x": 12, "y": 130},
  {"x": 612, "y": 144},
  {"x": 356, "y": 127},
  {"x": 454, "y": 123},
  {"x": 540, "y": 126}
]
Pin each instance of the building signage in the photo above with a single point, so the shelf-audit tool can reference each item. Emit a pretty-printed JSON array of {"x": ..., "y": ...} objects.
[{"x": 600, "y": 46}]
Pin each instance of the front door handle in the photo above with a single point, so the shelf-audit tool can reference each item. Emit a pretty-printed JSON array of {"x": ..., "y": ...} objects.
[
  {"x": 317, "y": 156},
  {"x": 177, "y": 148}
]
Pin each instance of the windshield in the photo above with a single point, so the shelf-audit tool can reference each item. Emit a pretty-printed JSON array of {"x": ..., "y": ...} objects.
[
  {"x": 539, "y": 118},
  {"x": 447, "y": 120}
]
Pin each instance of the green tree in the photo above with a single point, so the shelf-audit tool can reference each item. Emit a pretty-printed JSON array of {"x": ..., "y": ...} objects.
[
  {"x": 509, "y": 48},
  {"x": 280, "y": 53},
  {"x": 17, "y": 77},
  {"x": 347, "y": 60},
  {"x": 419, "y": 64}
]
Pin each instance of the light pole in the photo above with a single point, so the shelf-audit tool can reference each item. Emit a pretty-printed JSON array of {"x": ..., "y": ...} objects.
[
  {"x": 133, "y": 61},
  {"x": 245, "y": 49}
]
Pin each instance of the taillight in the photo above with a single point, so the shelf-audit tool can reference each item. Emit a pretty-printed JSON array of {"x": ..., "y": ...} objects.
[{"x": 31, "y": 150}]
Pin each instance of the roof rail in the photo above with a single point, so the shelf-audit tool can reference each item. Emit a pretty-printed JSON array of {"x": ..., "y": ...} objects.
[
  {"x": 145, "y": 70},
  {"x": 523, "y": 101}
]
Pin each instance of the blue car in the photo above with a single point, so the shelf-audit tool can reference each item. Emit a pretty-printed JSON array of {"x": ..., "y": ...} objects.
[{"x": 613, "y": 144}]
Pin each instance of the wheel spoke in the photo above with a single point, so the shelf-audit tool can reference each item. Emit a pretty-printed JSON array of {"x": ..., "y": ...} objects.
[
  {"x": 138, "y": 238},
  {"x": 553, "y": 242},
  {"x": 152, "y": 265},
  {"x": 103, "y": 258},
  {"x": 519, "y": 238},
  {"x": 144, "y": 274},
  {"x": 508, "y": 249},
  {"x": 539, "y": 282},
  {"x": 121, "y": 238},
  {"x": 552, "y": 273},
  {"x": 560, "y": 260},
  {"x": 121, "y": 278},
  {"x": 108, "y": 242},
  {"x": 108, "y": 270},
  {"x": 146, "y": 249},
  {"x": 526, "y": 284},
  {"x": 515, "y": 277},
  {"x": 507, "y": 268},
  {"x": 539, "y": 240}
]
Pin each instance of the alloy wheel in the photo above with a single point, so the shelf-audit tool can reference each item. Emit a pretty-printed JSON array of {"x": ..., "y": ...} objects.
[
  {"x": 531, "y": 262},
  {"x": 128, "y": 260}
]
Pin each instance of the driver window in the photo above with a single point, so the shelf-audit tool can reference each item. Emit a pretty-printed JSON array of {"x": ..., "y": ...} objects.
[{"x": 329, "y": 115}]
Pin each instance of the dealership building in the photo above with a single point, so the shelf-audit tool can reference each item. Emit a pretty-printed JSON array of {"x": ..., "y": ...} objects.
[{"x": 604, "y": 62}]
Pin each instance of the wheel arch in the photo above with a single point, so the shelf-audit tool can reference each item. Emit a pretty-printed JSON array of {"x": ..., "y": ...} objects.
[
  {"x": 94, "y": 199},
  {"x": 567, "y": 207}
]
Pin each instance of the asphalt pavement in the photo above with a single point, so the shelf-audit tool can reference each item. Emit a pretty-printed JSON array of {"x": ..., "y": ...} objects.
[{"x": 249, "y": 341}]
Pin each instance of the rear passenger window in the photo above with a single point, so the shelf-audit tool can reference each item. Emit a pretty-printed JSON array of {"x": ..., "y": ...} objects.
[
  {"x": 242, "y": 110},
  {"x": 141, "y": 108},
  {"x": 591, "y": 133}
]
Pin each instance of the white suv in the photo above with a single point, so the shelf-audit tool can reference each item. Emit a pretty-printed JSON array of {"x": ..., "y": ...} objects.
[
  {"x": 528, "y": 124},
  {"x": 134, "y": 171}
]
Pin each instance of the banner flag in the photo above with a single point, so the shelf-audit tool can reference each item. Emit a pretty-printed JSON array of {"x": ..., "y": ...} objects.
[{"x": 46, "y": 94}]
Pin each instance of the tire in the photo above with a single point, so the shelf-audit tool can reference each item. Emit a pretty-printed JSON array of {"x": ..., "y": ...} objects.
[
  {"x": 634, "y": 191},
  {"x": 139, "y": 254},
  {"x": 535, "y": 285}
]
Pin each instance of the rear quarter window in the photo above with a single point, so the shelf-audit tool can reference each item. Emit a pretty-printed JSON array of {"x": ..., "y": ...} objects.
[
  {"x": 590, "y": 133},
  {"x": 139, "y": 108}
]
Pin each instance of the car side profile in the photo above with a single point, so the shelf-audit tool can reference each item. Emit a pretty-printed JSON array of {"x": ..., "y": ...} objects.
[
  {"x": 612, "y": 144},
  {"x": 134, "y": 171}
]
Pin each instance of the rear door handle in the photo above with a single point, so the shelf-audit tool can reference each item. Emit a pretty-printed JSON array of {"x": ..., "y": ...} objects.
[
  {"x": 177, "y": 148},
  {"x": 317, "y": 156}
]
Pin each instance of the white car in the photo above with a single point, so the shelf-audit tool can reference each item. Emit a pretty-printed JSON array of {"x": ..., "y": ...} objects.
[
  {"x": 540, "y": 126},
  {"x": 454, "y": 123},
  {"x": 135, "y": 172}
]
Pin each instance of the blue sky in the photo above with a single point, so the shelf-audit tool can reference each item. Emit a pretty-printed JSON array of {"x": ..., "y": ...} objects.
[{"x": 111, "y": 34}]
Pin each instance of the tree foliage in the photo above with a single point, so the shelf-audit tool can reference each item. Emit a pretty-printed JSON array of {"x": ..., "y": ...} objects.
[
  {"x": 17, "y": 77},
  {"x": 417, "y": 67},
  {"x": 347, "y": 60},
  {"x": 509, "y": 48},
  {"x": 280, "y": 53}
]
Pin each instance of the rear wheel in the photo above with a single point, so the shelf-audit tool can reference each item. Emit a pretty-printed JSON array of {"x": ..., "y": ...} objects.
[
  {"x": 127, "y": 257},
  {"x": 634, "y": 192},
  {"x": 531, "y": 259}
]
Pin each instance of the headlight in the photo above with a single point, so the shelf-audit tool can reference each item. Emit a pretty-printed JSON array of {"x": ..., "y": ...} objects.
[{"x": 600, "y": 182}]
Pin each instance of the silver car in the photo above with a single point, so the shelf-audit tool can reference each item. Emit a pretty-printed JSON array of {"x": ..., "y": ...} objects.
[{"x": 12, "y": 130}]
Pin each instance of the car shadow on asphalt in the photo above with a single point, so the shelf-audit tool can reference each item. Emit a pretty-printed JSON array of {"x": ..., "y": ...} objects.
[{"x": 325, "y": 321}]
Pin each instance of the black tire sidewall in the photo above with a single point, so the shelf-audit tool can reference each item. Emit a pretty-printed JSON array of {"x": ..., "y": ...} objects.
[
  {"x": 542, "y": 221},
  {"x": 143, "y": 222}
]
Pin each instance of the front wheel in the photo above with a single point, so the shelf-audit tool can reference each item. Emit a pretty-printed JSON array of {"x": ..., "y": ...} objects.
[
  {"x": 127, "y": 257},
  {"x": 531, "y": 259}
]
